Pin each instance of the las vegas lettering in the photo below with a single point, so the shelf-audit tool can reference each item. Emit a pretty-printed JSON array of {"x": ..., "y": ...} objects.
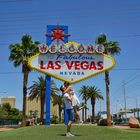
[{"x": 76, "y": 65}]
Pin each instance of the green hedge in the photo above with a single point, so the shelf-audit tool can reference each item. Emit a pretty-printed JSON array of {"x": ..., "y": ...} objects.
[{"x": 9, "y": 121}]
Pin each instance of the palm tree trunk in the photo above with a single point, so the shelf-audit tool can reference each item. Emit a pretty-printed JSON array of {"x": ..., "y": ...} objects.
[
  {"x": 93, "y": 109},
  {"x": 59, "y": 112},
  {"x": 83, "y": 114},
  {"x": 25, "y": 80},
  {"x": 107, "y": 98},
  {"x": 93, "y": 113},
  {"x": 85, "y": 111},
  {"x": 42, "y": 107}
]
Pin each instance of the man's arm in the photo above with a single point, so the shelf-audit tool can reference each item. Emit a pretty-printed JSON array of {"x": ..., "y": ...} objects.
[
  {"x": 67, "y": 89},
  {"x": 68, "y": 97}
]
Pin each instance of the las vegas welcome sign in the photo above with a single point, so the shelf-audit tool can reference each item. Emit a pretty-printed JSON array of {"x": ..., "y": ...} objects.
[{"x": 71, "y": 62}]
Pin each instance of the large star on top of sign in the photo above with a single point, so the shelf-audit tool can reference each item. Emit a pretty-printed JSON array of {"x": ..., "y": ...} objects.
[{"x": 58, "y": 34}]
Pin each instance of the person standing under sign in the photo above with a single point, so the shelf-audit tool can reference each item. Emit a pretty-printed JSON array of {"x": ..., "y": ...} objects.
[
  {"x": 77, "y": 106},
  {"x": 68, "y": 110}
]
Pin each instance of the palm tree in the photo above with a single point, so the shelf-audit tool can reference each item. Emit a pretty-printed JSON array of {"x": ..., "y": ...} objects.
[
  {"x": 94, "y": 93},
  {"x": 37, "y": 90},
  {"x": 111, "y": 47},
  {"x": 58, "y": 100},
  {"x": 82, "y": 112},
  {"x": 19, "y": 54},
  {"x": 84, "y": 93}
]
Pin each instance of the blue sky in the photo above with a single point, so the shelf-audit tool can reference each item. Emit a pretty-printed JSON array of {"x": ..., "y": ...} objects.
[{"x": 119, "y": 19}]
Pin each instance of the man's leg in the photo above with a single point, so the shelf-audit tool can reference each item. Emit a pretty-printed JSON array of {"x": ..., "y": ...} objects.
[
  {"x": 69, "y": 126},
  {"x": 68, "y": 134},
  {"x": 66, "y": 117},
  {"x": 70, "y": 114}
]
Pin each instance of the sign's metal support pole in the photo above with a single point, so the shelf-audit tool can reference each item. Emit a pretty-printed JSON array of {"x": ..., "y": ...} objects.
[
  {"x": 48, "y": 78},
  {"x": 48, "y": 86},
  {"x": 48, "y": 95}
]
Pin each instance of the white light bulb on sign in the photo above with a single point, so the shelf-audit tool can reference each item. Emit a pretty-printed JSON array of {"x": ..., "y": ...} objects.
[
  {"x": 81, "y": 49},
  {"x": 53, "y": 48},
  {"x": 71, "y": 49},
  {"x": 100, "y": 48},
  {"x": 43, "y": 48},
  {"x": 91, "y": 49},
  {"x": 62, "y": 49}
]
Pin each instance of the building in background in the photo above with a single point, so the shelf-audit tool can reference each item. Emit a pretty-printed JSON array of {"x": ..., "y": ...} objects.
[
  {"x": 9, "y": 99},
  {"x": 33, "y": 108}
]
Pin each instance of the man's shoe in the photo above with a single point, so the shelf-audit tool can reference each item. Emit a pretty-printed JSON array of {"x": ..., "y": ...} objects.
[
  {"x": 71, "y": 135},
  {"x": 81, "y": 122},
  {"x": 68, "y": 135}
]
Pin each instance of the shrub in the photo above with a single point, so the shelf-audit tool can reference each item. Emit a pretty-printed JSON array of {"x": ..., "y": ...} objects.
[{"x": 54, "y": 119}]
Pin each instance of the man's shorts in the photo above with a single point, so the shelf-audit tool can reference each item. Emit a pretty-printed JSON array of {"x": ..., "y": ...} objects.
[{"x": 69, "y": 114}]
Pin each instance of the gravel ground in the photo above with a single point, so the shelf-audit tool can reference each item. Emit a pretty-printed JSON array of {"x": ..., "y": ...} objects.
[{"x": 5, "y": 129}]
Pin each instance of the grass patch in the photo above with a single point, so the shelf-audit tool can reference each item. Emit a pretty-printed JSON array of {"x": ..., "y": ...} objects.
[{"x": 57, "y": 132}]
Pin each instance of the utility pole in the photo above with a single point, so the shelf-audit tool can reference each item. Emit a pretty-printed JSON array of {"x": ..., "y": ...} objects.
[
  {"x": 124, "y": 93},
  {"x": 117, "y": 108},
  {"x": 100, "y": 106},
  {"x": 137, "y": 110}
]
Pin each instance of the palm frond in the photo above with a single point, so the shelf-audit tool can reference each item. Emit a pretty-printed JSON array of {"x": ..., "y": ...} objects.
[
  {"x": 95, "y": 92},
  {"x": 84, "y": 92},
  {"x": 111, "y": 47},
  {"x": 20, "y": 52},
  {"x": 39, "y": 87},
  {"x": 101, "y": 39}
]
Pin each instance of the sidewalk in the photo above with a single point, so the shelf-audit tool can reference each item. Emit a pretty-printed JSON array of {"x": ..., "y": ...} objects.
[
  {"x": 121, "y": 126},
  {"x": 5, "y": 129}
]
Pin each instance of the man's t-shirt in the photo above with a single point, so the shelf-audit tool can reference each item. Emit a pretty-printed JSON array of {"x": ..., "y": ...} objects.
[{"x": 68, "y": 104}]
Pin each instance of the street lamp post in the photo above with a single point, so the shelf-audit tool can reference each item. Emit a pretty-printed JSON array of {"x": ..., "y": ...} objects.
[
  {"x": 124, "y": 99},
  {"x": 117, "y": 108},
  {"x": 100, "y": 106},
  {"x": 137, "y": 110}
]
